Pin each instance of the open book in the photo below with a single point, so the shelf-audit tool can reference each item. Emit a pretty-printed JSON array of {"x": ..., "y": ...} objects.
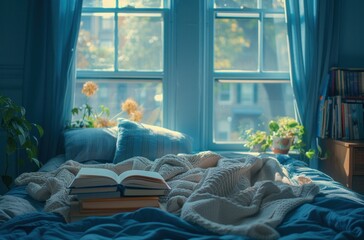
[{"x": 100, "y": 177}]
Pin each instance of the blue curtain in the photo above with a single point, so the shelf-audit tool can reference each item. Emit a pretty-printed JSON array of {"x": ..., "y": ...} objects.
[
  {"x": 313, "y": 46},
  {"x": 53, "y": 27}
]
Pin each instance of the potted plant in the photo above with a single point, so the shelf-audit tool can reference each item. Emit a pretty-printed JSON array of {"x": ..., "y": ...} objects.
[
  {"x": 286, "y": 134},
  {"x": 19, "y": 135},
  {"x": 256, "y": 141}
]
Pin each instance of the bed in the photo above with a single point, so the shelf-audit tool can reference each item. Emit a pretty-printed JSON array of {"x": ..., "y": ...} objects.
[{"x": 226, "y": 195}]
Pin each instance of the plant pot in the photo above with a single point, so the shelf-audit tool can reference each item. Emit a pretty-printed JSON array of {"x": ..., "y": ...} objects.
[
  {"x": 281, "y": 145},
  {"x": 257, "y": 148}
]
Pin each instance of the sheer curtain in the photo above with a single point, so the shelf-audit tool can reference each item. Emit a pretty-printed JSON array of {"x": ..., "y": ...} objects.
[
  {"x": 48, "y": 81},
  {"x": 313, "y": 47}
]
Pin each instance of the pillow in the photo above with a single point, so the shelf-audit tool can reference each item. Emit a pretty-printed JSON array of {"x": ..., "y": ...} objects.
[
  {"x": 136, "y": 139},
  {"x": 87, "y": 144}
]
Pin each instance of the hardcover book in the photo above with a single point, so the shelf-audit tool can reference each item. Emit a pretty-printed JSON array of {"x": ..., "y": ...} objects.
[
  {"x": 120, "y": 203},
  {"x": 104, "y": 178}
]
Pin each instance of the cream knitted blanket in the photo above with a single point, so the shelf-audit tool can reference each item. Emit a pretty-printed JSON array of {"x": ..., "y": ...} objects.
[{"x": 245, "y": 196}]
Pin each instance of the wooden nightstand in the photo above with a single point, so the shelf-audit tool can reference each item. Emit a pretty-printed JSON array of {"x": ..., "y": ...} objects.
[{"x": 345, "y": 163}]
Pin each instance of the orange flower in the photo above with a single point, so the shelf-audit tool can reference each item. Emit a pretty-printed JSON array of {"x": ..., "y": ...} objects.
[
  {"x": 129, "y": 106},
  {"x": 136, "y": 116},
  {"x": 102, "y": 122},
  {"x": 89, "y": 88}
]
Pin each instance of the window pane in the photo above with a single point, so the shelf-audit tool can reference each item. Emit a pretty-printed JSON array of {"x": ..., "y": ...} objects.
[
  {"x": 236, "y": 3},
  {"x": 95, "y": 46},
  {"x": 275, "y": 4},
  {"x": 265, "y": 4},
  {"x": 140, "y": 42},
  {"x": 99, "y": 3},
  {"x": 275, "y": 43},
  {"x": 141, "y": 3},
  {"x": 236, "y": 44},
  {"x": 251, "y": 105},
  {"x": 112, "y": 93}
]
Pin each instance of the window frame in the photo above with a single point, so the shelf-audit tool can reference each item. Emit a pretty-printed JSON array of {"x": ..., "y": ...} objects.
[
  {"x": 188, "y": 78},
  {"x": 213, "y": 76},
  {"x": 138, "y": 75}
]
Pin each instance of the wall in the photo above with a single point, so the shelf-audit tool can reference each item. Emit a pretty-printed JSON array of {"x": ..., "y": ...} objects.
[
  {"x": 13, "y": 18},
  {"x": 351, "y": 43}
]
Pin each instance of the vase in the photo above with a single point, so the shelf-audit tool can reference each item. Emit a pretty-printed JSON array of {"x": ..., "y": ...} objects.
[{"x": 281, "y": 145}]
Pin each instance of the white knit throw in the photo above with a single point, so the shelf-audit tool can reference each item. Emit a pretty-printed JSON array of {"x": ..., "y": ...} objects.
[{"x": 245, "y": 196}]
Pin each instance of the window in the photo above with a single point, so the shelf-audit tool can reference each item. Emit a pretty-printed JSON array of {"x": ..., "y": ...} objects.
[
  {"x": 121, "y": 47},
  {"x": 208, "y": 68},
  {"x": 249, "y": 55}
]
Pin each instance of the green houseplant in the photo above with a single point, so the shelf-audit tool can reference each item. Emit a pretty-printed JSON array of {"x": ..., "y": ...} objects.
[
  {"x": 256, "y": 141},
  {"x": 286, "y": 134},
  {"x": 19, "y": 135}
]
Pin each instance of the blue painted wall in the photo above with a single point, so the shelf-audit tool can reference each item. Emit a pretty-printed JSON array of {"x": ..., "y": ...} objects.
[
  {"x": 351, "y": 48},
  {"x": 13, "y": 18}
]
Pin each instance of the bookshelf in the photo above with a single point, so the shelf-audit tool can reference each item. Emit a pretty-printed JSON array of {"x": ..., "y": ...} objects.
[
  {"x": 341, "y": 127},
  {"x": 341, "y": 105}
]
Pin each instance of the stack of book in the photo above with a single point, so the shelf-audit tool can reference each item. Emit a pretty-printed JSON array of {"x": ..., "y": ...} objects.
[{"x": 101, "y": 192}]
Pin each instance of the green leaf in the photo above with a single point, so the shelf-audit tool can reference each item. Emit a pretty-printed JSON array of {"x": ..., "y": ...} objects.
[
  {"x": 74, "y": 111},
  {"x": 40, "y": 129},
  {"x": 22, "y": 111},
  {"x": 36, "y": 161},
  {"x": 310, "y": 154}
]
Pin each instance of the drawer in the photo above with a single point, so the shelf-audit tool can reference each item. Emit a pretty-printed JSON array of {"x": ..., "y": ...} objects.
[
  {"x": 358, "y": 184},
  {"x": 358, "y": 156}
]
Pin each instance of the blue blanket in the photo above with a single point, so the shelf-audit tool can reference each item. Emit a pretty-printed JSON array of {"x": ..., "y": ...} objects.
[
  {"x": 336, "y": 213},
  {"x": 146, "y": 223}
]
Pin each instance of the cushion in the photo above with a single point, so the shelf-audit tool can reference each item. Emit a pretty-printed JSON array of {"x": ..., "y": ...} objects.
[
  {"x": 152, "y": 142},
  {"x": 90, "y": 144}
]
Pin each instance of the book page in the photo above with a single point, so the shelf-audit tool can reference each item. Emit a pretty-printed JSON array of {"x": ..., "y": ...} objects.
[
  {"x": 97, "y": 173},
  {"x": 142, "y": 174},
  {"x": 140, "y": 178}
]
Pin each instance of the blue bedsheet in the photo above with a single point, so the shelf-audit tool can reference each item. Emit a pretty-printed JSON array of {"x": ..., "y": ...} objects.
[
  {"x": 336, "y": 213},
  {"x": 147, "y": 223}
]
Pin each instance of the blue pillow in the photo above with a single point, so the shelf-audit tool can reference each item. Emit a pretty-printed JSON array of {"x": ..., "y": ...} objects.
[
  {"x": 90, "y": 144},
  {"x": 152, "y": 142}
]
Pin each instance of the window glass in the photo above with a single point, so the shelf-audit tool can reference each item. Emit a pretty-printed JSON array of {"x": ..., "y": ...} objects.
[
  {"x": 274, "y": 4},
  {"x": 95, "y": 46},
  {"x": 236, "y": 3},
  {"x": 141, "y": 3},
  {"x": 99, "y": 3},
  {"x": 236, "y": 44},
  {"x": 140, "y": 42},
  {"x": 265, "y": 4},
  {"x": 111, "y": 93},
  {"x": 275, "y": 43},
  {"x": 120, "y": 48},
  {"x": 250, "y": 55},
  {"x": 257, "y": 104}
]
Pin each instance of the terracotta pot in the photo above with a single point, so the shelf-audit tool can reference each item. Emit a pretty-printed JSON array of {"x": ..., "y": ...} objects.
[{"x": 281, "y": 145}]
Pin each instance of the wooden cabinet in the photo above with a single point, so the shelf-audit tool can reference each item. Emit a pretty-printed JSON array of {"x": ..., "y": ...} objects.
[{"x": 345, "y": 162}]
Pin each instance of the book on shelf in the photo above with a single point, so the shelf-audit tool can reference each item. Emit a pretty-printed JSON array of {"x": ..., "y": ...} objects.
[
  {"x": 104, "y": 178},
  {"x": 120, "y": 203},
  {"x": 346, "y": 82},
  {"x": 340, "y": 109}
]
